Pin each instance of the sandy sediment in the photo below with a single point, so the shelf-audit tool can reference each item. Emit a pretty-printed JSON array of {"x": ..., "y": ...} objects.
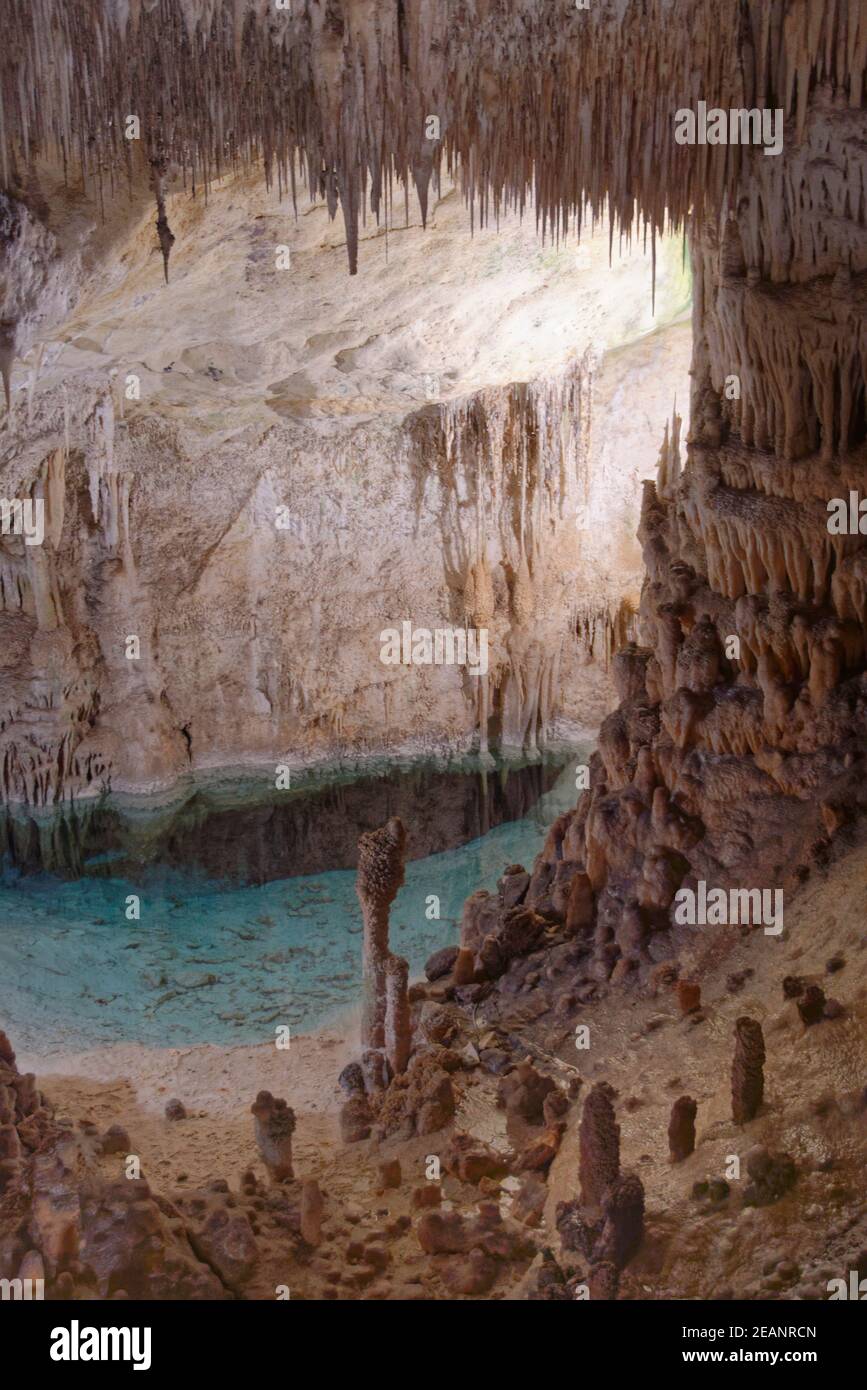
[{"x": 130, "y": 1084}]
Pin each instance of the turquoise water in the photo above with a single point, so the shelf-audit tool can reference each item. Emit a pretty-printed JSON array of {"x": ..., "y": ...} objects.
[{"x": 215, "y": 959}]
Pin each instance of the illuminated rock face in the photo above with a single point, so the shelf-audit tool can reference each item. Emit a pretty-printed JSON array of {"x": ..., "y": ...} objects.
[{"x": 256, "y": 492}]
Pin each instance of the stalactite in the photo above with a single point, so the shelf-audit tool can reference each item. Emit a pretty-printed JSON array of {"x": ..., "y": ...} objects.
[{"x": 224, "y": 84}]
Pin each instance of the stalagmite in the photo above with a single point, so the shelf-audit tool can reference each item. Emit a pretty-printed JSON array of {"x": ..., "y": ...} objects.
[
  {"x": 623, "y": 1220},
  {"x": 398, "y": 1025},
  {"x": 274, "y": 1127},
  {"x": 748, "y": 1081},
  {"x": 380, "y": 875},
  {"x": 311, "y": 1212},
  {"x": 599, "y": 1141},
  {"x": 681, "y": 1128}
]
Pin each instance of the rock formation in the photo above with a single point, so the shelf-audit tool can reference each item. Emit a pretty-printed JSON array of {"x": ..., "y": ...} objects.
[
  {"x": 681, "y": 1129},
  {"x": 380, "y": 875},
  {"x": 599, "y": 1163},
  {"x": 748, "y": 1070},
  {"x": 274, "y": 1127},
  {"x": 398, "y": 1025},
  {"x": 623, "y": 1220}
]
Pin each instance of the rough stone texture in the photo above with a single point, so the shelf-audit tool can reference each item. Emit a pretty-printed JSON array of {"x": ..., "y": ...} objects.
[
  {"x": 398, "y": 1024},
  {"x": 420, "y": 1101},
  {"x": 312, "y": 1207},
  {"x": 524, "y": 1092},
  {"x": 623, "y": 1220},
  {"x": 599, "y": 1138},
  {"x": 274, "y": 1127},
  {"x": 681, "y": 1128},
  {"x": 356, "y": 1119},
  {"x": 603, "y": 1280},
  {"x": 380, "y": 875},
  {"x": 748, "y": 1076}
]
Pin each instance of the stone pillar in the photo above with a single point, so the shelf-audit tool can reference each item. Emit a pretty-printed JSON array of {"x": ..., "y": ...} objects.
[
  {"x": 623, "y": 1210},
  {"x": 398, "y": 1025},
  {"x": 599, "y": 1146},
  {"x": 380, "y": 875},
  {"x": 681, "y": 1129},
  {"x": 748, "y": 1078},
  {"x": 275, "y": 1125}
]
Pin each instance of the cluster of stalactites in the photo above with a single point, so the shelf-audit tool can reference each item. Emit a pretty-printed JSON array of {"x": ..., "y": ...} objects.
[{"x": 568, "y": 107}]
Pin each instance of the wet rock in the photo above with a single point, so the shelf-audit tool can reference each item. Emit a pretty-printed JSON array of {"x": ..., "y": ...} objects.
[
  {"x": 681, "y": 1129},
  {"x": 748, "y": 1080}
]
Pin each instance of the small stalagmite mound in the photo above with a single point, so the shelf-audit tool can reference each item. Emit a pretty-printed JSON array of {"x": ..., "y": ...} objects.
[
  {"x": 681, "y": 1128},
  {"x": 275, "y": 1125}
]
